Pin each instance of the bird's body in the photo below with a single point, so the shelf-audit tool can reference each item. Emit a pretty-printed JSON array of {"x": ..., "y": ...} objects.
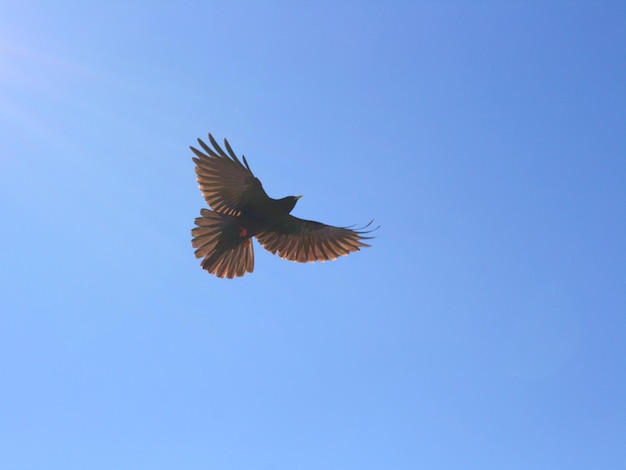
[
  {"x": 243, "y": 210},
  {"x": 262, "y": 216}
]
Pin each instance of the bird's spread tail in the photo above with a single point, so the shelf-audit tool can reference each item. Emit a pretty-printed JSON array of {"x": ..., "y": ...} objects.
[{"x": 223, "y": 245}]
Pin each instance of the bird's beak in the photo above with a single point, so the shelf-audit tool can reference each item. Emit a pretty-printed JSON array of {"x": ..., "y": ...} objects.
[{"x": 298, "y": 197}]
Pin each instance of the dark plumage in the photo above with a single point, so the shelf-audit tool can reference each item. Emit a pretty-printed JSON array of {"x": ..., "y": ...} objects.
[{"x": 242, "y": 210}]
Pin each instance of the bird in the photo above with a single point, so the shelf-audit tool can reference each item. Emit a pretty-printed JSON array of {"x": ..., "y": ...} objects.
[{"x": 242, "y": 210}]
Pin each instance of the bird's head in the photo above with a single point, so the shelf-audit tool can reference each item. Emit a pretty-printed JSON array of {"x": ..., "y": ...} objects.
[{"x": 289, "y": 202}]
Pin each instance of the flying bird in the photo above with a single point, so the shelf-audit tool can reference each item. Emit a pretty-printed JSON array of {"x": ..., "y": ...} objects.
[{"x": 243, "y": 210}]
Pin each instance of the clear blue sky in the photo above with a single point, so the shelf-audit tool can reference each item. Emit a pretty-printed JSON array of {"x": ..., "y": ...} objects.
[{"x": 485, "y": 328}]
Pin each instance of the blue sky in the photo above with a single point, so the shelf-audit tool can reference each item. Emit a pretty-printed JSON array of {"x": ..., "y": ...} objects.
[{"x": 485, "y": 327}]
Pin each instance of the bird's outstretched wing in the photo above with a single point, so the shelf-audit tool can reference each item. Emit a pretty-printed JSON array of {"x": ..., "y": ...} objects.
[
  {"x": 307, "y": 241},
  {"x": 226, "y": 183}
]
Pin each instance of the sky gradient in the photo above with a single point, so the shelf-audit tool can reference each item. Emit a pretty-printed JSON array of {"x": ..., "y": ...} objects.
[{"x": 484, "y": 329}]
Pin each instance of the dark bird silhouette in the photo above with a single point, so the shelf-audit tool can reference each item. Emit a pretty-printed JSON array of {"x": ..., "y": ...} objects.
[{"x": 242, "y": 210}]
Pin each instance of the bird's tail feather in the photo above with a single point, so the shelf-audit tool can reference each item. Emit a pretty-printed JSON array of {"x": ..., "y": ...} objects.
[{"x": 217, "y": 238}]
